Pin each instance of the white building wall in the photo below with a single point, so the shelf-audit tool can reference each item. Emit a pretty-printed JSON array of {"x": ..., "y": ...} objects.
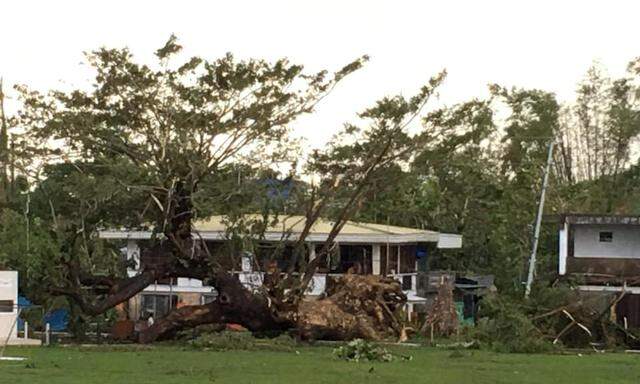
[
  {"x": 9, "y": 291},
  {"x": 625, "y": 242}
]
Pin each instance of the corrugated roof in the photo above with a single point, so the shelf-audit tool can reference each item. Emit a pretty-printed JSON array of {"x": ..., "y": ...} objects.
[
  {"x": 290, "y": 227},
  {"x": 295, "y": 224}
]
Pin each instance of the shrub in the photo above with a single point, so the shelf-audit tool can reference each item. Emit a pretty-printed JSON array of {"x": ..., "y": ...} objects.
[
  {"x": 222, "y": 341},
  {"x": 361, "y": 350},
  {"x": 505, "y": 327}
]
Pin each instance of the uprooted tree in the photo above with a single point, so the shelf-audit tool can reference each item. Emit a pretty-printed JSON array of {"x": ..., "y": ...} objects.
[{"x": 138, "y": 148}]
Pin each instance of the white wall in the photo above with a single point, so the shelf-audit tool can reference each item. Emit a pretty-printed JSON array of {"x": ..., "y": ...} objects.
[
  {"x": 449, "y": 240},
  {"x": 625, "y": 244},
  {"x": 8, "y": 291}
]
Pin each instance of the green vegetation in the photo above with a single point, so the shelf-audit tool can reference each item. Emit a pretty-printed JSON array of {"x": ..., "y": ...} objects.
[
  {"x": 236, "y": 341},
  {"x": 361, "y": 350},
  {"x": 505, "y": 327},
  {"x": 161, "y": 365}
]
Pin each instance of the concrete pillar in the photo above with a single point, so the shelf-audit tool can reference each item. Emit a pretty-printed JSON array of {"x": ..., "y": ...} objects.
[{"x": 375, "y": 259}]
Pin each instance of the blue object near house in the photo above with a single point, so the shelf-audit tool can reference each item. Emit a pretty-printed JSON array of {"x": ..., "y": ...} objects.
[
  {"x": 422, "y": 256},
  {"x": 58, "y": 320}
]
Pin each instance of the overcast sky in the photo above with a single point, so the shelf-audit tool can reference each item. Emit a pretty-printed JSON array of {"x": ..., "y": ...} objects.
[{"x": 543, "y": 44}]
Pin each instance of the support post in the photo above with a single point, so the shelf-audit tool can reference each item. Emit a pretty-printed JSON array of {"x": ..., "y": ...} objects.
[
  {"x": 375, "y": 258},
  {"x": 47, "y": 334},
  {"x": 536, "y": 234}
]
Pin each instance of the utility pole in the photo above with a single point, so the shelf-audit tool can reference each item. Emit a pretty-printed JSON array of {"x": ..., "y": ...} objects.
[{"x": 536, "y": 234}]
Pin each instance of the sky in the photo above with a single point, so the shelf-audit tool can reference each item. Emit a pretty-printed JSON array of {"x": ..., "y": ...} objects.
[{"x": 542, "y": 44}]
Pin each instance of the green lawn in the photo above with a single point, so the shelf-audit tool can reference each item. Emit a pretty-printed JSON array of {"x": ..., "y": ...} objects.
[{"x": 160, "y": 365}]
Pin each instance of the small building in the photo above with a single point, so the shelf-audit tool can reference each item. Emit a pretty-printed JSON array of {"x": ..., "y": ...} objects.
[
  {"x": 362, "y": 248},
  {"x": 8, "y": 305},
  {"x": 602, "y": 254}
]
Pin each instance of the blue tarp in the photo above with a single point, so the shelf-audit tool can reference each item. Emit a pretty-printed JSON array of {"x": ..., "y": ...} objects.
[
  {"x": 23, "y": 302},
  {"x": 57, "y": 319}
]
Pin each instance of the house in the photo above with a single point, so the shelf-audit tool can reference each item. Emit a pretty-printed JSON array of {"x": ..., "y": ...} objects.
[
  {"x": 359, "y": 248},
  {"x": 602, "y": 254},
  {"x": 10, "y": 311}
]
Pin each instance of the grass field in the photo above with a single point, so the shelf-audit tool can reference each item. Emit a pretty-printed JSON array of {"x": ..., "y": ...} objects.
[{"x": 159, "y": 365}]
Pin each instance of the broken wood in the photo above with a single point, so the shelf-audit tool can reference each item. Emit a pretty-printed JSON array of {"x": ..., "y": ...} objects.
[
  {"x": 364, "y": 306},
  {"x": 547, "y": 314},
  {"x": 442, "y": 317},
  {"x": 573, "y": 323}
]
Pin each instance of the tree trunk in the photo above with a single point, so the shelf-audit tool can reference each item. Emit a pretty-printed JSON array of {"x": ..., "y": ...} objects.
[
  {"x": 234, "y": 304},
  {"x": 357, "y": 307}
]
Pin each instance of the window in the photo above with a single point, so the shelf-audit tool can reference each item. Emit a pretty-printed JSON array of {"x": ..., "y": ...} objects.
[
  {"x": 407, "y": 283},
  {"x": 354, "y": 259},
  {"x": 606, "y": 237},
  {"x": 407, "y": 259},
  {"x": 157, "y": 306},
  {"x": 6, "y": 306}
]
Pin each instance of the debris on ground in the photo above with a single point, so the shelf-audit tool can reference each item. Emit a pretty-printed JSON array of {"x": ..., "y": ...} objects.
[{"x": 361, "y": 350}]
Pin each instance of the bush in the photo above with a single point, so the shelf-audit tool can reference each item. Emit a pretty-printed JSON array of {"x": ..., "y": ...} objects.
[
  {"x": 505, "y": 327},
  {"x": 361, "y": 350},
  {"x": 222, "y": 341}
]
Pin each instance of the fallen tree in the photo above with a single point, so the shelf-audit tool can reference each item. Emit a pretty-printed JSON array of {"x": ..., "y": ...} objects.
[
  {"x": 357, "y": 307},
  {"x": 145, "y": 140},
  {"x": 552, "y": 317}
]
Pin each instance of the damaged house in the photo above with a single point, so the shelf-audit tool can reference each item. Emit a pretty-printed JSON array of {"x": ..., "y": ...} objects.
[
  {"x": 601, "y": 254},
  {"x": 360, "y": 248}
]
